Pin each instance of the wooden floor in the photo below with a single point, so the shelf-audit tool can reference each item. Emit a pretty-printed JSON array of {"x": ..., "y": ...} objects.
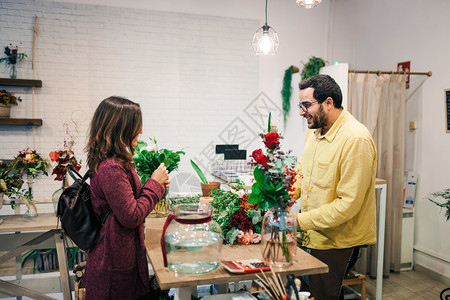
[{"x": 419, "y": 284}]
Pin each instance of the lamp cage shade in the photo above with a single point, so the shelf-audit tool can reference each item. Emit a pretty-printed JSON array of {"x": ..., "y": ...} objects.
[
  {"x": 265, "y": 41},
  {"x": 308, "y": 3}
]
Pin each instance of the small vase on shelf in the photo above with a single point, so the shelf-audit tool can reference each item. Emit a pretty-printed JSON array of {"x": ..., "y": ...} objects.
[
  {"x": 279, "y": 237},
  {"x": 13, "y": 72}
]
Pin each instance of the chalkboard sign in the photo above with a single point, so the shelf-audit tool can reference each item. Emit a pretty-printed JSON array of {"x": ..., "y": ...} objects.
[{"x": 447, "y": 110}]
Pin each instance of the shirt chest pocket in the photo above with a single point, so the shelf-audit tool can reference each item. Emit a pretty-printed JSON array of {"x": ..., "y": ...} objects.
[{"x": 324, "y": 174}]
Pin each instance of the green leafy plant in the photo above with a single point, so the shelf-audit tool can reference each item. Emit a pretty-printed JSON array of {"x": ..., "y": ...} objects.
[
  {"x": 148, "y": 158},
  {"x": 199, "y": 172},
  {"x": 312, "y": 67},
  {"x": 445, "y": 194},
  {"x": 286, "y": 92}
]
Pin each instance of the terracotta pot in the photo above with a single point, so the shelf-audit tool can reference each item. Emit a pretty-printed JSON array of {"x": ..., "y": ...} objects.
[
  {"x": 5, "y": 110},
  {"x": 206, "y": 188}
]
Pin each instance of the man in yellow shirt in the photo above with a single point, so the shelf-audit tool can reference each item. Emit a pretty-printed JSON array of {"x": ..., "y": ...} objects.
[{"x": 336, "y": 183}]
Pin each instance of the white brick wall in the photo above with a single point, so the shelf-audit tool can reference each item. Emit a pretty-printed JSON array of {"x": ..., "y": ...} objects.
[{"x": 192, "y": 74}]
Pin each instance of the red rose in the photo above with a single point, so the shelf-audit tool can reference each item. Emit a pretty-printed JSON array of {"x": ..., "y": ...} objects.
[
  {"x": 260, "y": 158},
  {"x": 271, "y": 140}
]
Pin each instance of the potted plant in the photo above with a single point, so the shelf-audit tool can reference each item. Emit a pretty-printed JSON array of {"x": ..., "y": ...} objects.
[
  {"x": 12, "y": 58},
  {"x": 6, "y": 100},
  {"x": 206, "y": 186}
]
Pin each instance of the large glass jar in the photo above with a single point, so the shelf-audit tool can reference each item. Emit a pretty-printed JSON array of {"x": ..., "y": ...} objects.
[
  {"x": 279, "y": 237},
  {"x": 192, "y": 240}
]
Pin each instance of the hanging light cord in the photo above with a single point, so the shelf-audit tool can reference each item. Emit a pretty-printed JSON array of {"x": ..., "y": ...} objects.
[{"x": 266, "y": 13}]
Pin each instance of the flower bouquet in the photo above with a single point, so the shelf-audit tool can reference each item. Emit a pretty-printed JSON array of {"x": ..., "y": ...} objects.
[
  {"x": 147, "y": 158},
  {"x": 274, "y": 173},
  {"x": 8, "y": 98},
  {"x": 64, "y": 158},
  {"x": 12, "y": 58},
  {"x": 32, "y": 164},
  {"x": 239, "y": 220}
]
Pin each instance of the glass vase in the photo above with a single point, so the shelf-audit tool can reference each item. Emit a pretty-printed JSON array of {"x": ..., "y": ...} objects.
[
  {"x": 192, "y": 241},
  {"x": 279, "y": 237},
  {"x": 13, "y": 72},
  {"x": 31, "y": 211}
]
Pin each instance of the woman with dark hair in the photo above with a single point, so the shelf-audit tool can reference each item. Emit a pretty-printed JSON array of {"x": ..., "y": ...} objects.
[{"x": 116, "y": 266}]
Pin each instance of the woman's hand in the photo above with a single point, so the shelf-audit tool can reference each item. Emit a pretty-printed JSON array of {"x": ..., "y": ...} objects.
[{"x": 162, "y": 176}]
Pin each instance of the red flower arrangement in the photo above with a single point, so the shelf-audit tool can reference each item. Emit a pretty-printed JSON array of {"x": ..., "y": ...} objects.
[
  {"x": 240, "y": 221},
  {"x": 274, "y": 173},
  {"x": 63, "y": 158}
]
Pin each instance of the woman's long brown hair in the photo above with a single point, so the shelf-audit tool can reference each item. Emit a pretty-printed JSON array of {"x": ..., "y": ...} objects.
[{"x": 116, "y": 122}]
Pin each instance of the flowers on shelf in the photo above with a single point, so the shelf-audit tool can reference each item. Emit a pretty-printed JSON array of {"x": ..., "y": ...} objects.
[
  {"x": 8, "y": 98},
  {"x": 274, "y": 174},
  {"x": 64, "y": 158},
  {"x": 12, "y": 55},
  {"x": 240, "y": 221}
]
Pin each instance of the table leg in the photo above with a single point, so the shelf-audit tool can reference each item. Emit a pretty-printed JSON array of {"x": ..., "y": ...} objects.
[
  {"x": 185, "y": 293},
  {"x": 19, "y": 270},
  {"x": 63, "y": 266}
]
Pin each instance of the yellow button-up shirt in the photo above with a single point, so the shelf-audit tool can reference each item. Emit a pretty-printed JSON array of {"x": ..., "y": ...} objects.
[{"x": 337, "y": 185}]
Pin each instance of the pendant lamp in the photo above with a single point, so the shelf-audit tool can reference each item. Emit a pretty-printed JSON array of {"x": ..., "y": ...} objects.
[
  {"x": 265, "y": 41},
  {"x": 308, "y": 3}
]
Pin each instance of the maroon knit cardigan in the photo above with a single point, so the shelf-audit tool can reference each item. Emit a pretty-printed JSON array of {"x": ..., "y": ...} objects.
[{"x": 116, "y": 266}]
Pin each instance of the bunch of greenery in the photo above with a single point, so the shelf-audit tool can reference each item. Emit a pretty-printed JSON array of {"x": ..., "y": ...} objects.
[
  {"x": 9, "y": 98},
  {"x": 12, "y": 55},
  {"x": 11, "y": 185},
  {"x": 148, "y": 158},
  {"x": 9, "y": 181},
  {"x": 312, "y": 67},
  {"x": 445, "y": 194}
]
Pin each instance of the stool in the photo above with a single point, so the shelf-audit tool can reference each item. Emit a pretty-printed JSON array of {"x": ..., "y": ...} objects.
[{"x": 361, "y": 279}]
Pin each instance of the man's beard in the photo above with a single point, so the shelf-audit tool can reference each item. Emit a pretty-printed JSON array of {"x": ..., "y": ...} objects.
[{"x": 320, "y": 120}]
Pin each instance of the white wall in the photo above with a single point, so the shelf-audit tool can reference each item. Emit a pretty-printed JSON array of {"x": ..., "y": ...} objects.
[
  {"x": 189, "y": 64},
  {"x": 376, "y": 35}
]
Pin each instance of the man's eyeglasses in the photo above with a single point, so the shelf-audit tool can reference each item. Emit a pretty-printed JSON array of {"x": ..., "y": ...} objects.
[{"x": 305, "y": 105}]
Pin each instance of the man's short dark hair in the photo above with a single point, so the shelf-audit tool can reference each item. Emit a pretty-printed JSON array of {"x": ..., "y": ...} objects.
[{"x": 324, "y": 86}]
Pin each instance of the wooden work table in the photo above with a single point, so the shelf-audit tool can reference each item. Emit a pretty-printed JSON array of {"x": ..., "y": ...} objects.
[
  {"x": 304, "y": 263},
  {"x": 19, "y": 234}
]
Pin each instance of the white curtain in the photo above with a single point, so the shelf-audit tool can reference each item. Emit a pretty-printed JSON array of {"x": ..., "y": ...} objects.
[{"x": 379, "y": 103}]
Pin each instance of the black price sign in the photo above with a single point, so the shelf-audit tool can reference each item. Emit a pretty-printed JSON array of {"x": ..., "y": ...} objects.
[{"x": 447, "y": 111}]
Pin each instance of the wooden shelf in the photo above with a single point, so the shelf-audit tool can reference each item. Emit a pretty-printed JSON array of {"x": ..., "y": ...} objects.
[
  {"x": 20, "y": 82},
  {"x": 20, "y": 122}
]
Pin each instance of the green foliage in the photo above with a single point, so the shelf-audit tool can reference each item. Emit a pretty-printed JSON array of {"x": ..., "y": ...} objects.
[
  {"x": 445, "y": 194},
  {"x": 148, "y": 161},
  {"x": 312, "y": 67},
  {"x": 9, "y": 180},
  {"x": 199, "y": 172},
  {"x": 286, "y": 92}
]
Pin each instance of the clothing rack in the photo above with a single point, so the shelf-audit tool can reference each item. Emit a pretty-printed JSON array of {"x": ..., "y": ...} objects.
[{"x": 390, "y": 72}]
